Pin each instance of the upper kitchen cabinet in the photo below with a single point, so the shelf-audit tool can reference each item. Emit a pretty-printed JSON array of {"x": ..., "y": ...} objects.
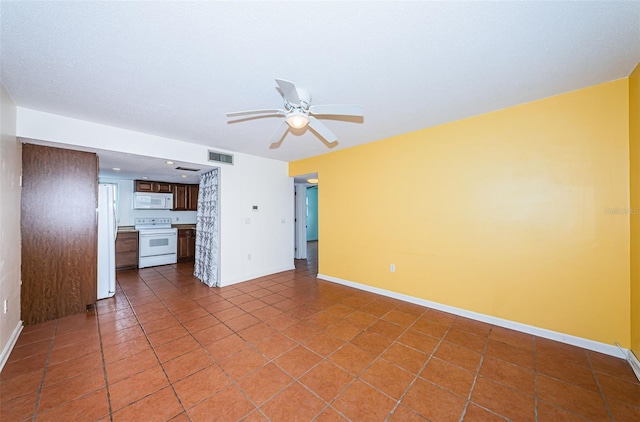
[
  {"x": 59, "y": 232},
  {"x": 179, "y": 197},
  {"x": 185, "y": 197},
  {"x": 192, "y": 197},
  {"x": 147, "y": 186}
]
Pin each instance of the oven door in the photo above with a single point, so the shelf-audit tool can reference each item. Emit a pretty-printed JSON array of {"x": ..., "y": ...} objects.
[{"x": 158, "y": 242}]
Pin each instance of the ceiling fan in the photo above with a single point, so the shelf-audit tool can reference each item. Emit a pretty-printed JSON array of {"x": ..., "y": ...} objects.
[{"x": 298, "y": 113}]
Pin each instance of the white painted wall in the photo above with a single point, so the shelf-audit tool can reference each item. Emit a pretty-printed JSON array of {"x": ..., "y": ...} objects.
[
  {"x": 126, "y": 213},
  {"x": 250, "y": 181},
  {"x": 257, "y": 181},
  {"x": 10, "y": 193}
]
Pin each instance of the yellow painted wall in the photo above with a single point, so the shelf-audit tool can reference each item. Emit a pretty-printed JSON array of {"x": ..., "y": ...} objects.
[
  {"x": 634, "y": 152},
  {"x": 503, "y": 213}
]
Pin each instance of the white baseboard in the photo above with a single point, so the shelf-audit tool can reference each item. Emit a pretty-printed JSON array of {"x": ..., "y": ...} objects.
[
  {"x": 596, "y": 346},
  {"x": 10, "y": 344},
  {"x": 635, "y": 363},
  {"x": 225, "y": 283}
]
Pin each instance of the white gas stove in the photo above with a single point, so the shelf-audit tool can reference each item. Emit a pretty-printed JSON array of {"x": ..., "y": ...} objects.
[{"x": 158, "y": 242}]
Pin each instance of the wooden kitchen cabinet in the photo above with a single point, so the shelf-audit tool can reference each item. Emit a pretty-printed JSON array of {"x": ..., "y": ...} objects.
[
  {"x": 148, "y": 186},
  {"x": 186, "y": 245},
  {"x": 192, "y": 197},
  {"x": 180, "y": 197},
  {"x": 185, "y": 197},
  {"x": 163, "y": 187},
  {"x": 126, "y": 250}
]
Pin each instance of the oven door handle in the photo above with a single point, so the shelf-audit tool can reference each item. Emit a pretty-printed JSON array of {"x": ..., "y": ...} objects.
[{"x": 158, "y": 235}]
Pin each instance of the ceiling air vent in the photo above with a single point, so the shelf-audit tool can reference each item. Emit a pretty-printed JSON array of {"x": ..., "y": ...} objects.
[
  {"x": 220, "y": 157},
  {"x": 186, "y": 169}
]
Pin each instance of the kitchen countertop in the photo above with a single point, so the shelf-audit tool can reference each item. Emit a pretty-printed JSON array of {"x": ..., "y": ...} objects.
[{"x": 130, "y": 229}]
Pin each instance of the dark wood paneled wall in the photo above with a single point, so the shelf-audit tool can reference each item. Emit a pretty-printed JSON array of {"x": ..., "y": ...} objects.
[{"x": 59, "y": 232}]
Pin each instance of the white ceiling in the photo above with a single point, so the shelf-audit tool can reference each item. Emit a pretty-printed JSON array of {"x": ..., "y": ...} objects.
[{"x": 175, "y": 68}]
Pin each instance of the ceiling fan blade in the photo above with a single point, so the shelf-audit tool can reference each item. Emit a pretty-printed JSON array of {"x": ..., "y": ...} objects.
[
  {"x": 336, "y": 110},
  {"x": 278, "y": 135},
  {"x": 289, "y": 91},
  {"x": 248, "y": 112},
  {"x": 329, "y": 138}
]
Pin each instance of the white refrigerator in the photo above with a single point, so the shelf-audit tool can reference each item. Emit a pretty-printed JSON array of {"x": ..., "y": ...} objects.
[{"x": 107, "y": 231}]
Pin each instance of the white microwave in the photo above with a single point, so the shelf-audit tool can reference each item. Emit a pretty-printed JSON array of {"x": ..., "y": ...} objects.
[{"x": 152, "y": 201}]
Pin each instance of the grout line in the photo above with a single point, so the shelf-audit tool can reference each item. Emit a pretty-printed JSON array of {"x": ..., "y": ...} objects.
[
  {"x": 268, "y": 360},
  {"x": 595, "y": 376},
  {"x": 104, "y": 364},
  {"x": 44, "y": 373},
  {"x": 424, "y": 365},
  {"x": 151, "y": 345},
  {"x": 477, "y": 374},
  {"x": 215, "y": 361},
  {"x": 355, "y": 378},
  {"x": 326, "y": 358}
]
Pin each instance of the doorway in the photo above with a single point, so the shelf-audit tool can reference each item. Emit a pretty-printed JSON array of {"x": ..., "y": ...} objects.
[
  {"x": 306, "y": 223},
  {"x": 312, "y": 228}
]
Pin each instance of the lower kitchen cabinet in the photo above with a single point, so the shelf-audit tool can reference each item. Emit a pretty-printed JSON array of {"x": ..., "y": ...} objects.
[
  {"x": 126, "y": 250},
  {"x": 186, "y": 245}
]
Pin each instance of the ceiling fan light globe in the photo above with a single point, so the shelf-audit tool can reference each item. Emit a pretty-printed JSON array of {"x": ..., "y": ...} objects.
[{"x": 297, "y": 120}]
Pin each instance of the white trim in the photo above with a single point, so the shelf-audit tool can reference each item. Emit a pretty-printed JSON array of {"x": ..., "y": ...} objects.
[
  {"x": 584, "y": 343},
  {"x": 10, "y": 344},
  {"x": 225, "y": 283},
  {"x": 635, "y": 363}
]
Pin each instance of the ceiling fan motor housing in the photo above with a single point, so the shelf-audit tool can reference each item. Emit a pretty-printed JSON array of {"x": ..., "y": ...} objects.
[{"x": 305, "y": 99}]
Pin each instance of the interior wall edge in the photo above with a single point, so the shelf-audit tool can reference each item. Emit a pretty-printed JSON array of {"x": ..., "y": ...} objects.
[
  {"x": 596, "y": 346},
  {"x": 635, "y": 363},
  {"x": 8, "y": 348},
  {"x": 634, "y": 207},
  {"x": 10, "y": 215}
]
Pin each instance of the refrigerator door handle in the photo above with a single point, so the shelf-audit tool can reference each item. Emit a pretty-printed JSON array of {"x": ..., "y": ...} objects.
[{"x": 115, "y": 222}]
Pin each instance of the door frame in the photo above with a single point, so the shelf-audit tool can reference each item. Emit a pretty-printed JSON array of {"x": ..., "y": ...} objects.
[{"x": 300, "y": 195}]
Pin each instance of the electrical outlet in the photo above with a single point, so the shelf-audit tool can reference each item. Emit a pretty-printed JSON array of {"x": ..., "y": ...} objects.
[
  {"x": 249, "y": 257},
  {"x": 392, "y": 268},
  {"x": 6, "y": 305}
]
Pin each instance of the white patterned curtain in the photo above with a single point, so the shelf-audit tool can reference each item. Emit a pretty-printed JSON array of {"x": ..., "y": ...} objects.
[{"x": 207, "y": 229}]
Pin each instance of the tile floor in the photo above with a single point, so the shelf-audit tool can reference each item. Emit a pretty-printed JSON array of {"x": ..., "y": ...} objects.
[{"x": 290, "y": 347}]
